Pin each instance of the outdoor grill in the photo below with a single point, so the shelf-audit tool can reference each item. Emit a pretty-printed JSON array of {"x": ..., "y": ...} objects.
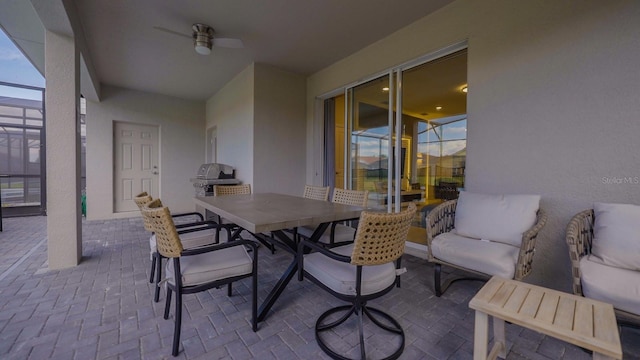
[{"x": 213, "y": 174}]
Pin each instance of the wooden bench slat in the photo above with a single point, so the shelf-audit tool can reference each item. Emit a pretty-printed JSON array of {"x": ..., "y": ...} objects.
[
  {"x": 531, "y": 303},
  {"x": 583, "y": 320},
  {"x": 487, "y": 292},
  {"x": 502, "y": 295},
  {"x": 565, "y": 313},
  {"x": 548, "y": 306},
  {"x": 605, "y": 326},
  {"x": 517, "y": 299}
]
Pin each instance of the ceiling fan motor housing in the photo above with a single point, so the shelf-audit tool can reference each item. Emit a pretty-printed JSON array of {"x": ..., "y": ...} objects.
[{"x": 202, "y": 38}]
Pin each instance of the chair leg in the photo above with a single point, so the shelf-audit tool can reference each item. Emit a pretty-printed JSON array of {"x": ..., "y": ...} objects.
[
  {"x": 229, "y": 289},
  {"x": 360, "y": 314},
  {"x": 441, "y": 288},
  {"x": 254, "y": 301},
  {"x": 436, "y": 279},
  {"x": 177, "y": 323},
  {"x": 394, "y": 327},
  {"x": 153, "y": 268},
  {"x": 360, "y": 311},
  {"x": 167, "y": 304},
  {"x": 156, "y": 296}
]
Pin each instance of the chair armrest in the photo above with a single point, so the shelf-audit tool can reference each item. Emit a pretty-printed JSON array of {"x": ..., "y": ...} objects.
[
  {"x": 337, "y": 244},
  {"x": 202, "y": 225},
  {"x": 197, "y": 214},
  {"x": 333, "y": 232},
  {"x": 321, "y": 249},
  {"x": 579, "y": 237},
  {"x": 210, "y": 248},
  {"x": 528, "y": 246},
  {"x": 440, "y": 220},
  {"x": 196, "y": 223}
]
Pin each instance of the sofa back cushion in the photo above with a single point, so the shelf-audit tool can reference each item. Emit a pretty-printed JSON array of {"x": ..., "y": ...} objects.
[
  {"x": 502, "y": 218},
  {"x": 616, "y": 235}
]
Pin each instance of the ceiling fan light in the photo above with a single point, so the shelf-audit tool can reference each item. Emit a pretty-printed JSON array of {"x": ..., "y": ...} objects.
[{"x": 203, "y": 48}]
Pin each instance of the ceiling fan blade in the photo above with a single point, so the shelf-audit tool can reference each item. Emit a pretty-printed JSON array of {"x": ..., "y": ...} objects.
[
  {"x": 228, "y": 43},
  {"x": 173, "y": 32}
]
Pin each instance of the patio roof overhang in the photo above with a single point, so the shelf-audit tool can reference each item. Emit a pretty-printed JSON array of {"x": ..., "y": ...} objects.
[{"x": 25, "y": 22}]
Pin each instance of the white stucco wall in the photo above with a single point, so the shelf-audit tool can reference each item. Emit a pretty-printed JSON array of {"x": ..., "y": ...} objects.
[
  {"x": 182, "y": 138},
  {"x": 279, "y": 131},
  {"x": 260, "y": 123},
  {"x": 552, "y": 106},
  {"x": 230, "y": 110}
]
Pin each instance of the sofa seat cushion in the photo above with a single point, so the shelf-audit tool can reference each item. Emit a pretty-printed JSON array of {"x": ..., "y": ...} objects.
[
  {"x": 212, "y": 266},
  {"x": 616, "y": 235},
  {"x": 341, "y": 233},
  {"x": 192, "y": 239},
  {"x": 617, "y": 286},
  {"x": 488, "y": 257},
  {"x": 341, "y": 277},
  {"x": 501, "y": 218}
]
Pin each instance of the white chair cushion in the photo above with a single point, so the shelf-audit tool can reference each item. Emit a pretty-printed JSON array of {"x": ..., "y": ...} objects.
[
  {"x": 341, "y": 277},
  {"x": 488, "y": 257},
  {"x": 211, "y": 266},
  {"x": 616, "y": 235},
  {"x": 341, "y": 233},
  {"x": 501, "y": 218},
  {"x": 192, "y": 239},
  {"x": 619, "y": 287},
  {"x": 153, "y": 245}
]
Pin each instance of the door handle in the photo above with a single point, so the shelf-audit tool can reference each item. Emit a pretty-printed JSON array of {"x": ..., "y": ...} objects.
[{"x": 154, "y": 172}]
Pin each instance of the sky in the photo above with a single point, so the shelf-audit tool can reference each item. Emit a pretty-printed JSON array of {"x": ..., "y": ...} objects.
[
  {"x": 16, "y": 69},
  {"x": 453, "y": 134}
]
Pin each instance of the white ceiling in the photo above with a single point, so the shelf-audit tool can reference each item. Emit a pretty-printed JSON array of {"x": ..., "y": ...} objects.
[{"x": 301, "y": 36}]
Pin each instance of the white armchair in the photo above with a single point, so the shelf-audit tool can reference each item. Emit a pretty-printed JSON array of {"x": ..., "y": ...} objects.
[
  {"x": 486, "y": 235},
  {"x": 604, "y": 244}
]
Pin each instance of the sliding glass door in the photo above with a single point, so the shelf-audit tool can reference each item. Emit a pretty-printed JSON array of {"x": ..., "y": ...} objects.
[
  {"x": 369, "y": 123},
  {"x": 416, "y": 155}
]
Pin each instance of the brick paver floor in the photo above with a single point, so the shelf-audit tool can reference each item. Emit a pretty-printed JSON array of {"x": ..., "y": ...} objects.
[{"x": 103, "y": 308}]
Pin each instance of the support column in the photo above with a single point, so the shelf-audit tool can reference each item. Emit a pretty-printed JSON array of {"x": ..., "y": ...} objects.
[{"x": 62, "y": 101}]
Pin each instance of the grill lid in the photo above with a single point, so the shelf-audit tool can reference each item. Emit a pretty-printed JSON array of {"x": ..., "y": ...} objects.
[{"x": 215, "y": 171}]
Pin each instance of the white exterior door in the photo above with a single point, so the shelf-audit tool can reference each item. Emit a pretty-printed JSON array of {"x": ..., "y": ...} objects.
[{"x": 135, "y": 163}]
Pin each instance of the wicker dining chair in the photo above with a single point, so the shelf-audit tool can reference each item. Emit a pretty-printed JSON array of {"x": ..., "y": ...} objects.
[
  {"x": 339, "y": 232},
  {"x": 219, "y": 190},
  {"x": 222, "y": 190},
  {"x": 244, "y": 189},
  {"x": 481, "y": 258},
  {"x": 194, "y": 234},
  {"x": 579, "y": 238},
  {"x": 359, "y": 272},
  {"x": 195, "y": 270},
  {"x": 316, "y": 192}
]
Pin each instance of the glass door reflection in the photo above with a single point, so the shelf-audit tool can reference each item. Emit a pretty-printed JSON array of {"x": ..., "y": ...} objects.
[{"x": 368, "y": 118}]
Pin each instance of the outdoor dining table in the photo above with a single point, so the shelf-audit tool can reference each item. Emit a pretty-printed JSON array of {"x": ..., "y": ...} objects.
[{"x": 267, "y": 215}]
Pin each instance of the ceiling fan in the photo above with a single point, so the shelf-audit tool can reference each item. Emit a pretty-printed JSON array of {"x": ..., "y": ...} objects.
[{"x": 203, "y": 39}]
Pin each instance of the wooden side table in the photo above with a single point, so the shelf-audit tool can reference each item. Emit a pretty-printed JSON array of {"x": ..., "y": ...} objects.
[{"x": 584, "y": 322}]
